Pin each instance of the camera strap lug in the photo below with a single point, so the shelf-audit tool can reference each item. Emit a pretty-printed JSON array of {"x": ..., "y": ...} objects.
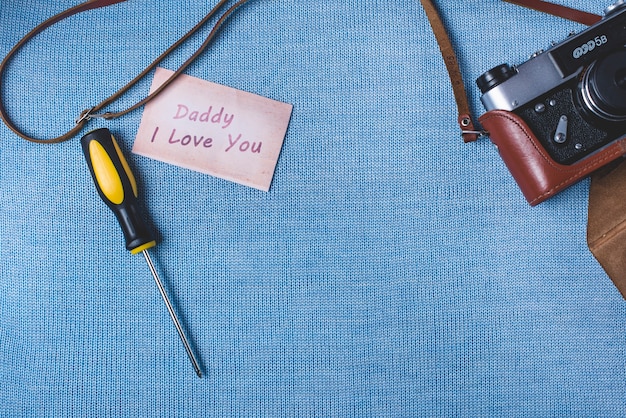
[{"x": 480, "y": 134}]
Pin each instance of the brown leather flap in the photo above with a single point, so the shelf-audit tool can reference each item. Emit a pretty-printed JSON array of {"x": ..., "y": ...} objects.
[{"x": 606, "y": 228}]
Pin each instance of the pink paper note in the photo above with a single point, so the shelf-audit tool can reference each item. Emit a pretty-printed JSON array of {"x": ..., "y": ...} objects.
[{"x": 213, "y": 129}]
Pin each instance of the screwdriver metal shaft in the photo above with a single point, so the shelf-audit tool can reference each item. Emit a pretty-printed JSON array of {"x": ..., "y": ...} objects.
[{"x": 170, "y": 309}]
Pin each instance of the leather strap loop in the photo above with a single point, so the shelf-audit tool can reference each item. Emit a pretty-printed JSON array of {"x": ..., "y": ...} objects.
[{"x": 90, "y": 113}]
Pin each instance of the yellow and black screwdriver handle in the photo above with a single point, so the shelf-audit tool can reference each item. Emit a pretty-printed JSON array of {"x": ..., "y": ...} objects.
[{"x": 117, "y": 186}]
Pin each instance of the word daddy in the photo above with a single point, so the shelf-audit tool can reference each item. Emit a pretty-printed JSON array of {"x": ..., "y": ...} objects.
[{"x": 219, "y": 117}]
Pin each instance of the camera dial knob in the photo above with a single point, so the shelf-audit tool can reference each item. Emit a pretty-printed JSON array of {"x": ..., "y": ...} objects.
[
  {"x": 494, "y": 77},
  {"x": 618, "y": 5}
]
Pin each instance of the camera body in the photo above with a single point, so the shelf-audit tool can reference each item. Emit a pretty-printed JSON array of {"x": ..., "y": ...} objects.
[{"x": 561, "y": 115}]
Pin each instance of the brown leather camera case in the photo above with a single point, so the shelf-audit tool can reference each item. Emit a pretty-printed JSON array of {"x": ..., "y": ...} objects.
[{"x": 537, "y": 174}]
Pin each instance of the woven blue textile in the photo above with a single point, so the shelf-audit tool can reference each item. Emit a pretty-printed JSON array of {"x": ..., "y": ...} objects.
[{"x": 390, "y": 271}]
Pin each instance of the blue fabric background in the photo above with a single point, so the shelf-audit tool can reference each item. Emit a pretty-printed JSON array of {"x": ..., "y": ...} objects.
[{"x": 391, "y": 270}]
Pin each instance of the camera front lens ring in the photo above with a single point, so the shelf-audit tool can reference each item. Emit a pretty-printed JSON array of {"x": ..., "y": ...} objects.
[
  {"x": 603, "y": 87},
  {"x": 615, "y": 7}
]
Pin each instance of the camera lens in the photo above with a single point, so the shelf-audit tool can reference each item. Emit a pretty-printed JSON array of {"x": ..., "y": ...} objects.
[
  {"x": 495, "y": 76},
  {"x": 603, "y": 87}
]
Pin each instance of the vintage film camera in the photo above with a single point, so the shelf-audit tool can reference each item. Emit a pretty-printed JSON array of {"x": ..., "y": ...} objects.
[{"x": 562, "y": 114}]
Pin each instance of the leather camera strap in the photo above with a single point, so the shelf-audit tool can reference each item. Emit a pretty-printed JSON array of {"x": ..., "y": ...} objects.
[
  {"x": 559, "y": 10},
  {"x": 91, "y": 112},
  {"x": 469, "y": 130},
  {"x": 465, "y": 120},
  {"x": 466, "y": 123}
]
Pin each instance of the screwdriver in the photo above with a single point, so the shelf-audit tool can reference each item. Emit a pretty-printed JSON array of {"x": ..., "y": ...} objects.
[{"x": 117, "y": 187}]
